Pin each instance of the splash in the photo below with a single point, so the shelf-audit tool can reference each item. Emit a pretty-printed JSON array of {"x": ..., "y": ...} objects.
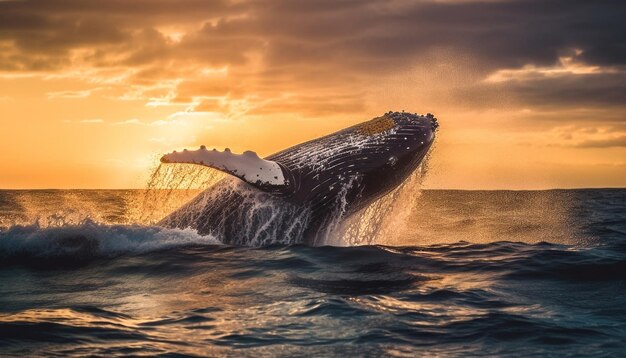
[
  {"x": 382, "y": 219},
  {"x": 259, "y": 219},
  {"x": 169, "y": 187},
  {"x": 84, "y": 224},
  {"x": 262, "y": 219},
  {"x": 58, "y": 208},
  {"x": 89, "y": 240}
]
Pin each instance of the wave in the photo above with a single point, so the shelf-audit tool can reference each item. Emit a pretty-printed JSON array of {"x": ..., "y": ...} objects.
[{"x": 90, "y": 239}]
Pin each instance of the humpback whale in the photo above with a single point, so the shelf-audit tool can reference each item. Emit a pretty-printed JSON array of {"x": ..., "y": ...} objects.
[{"x": 294, "y": 195}]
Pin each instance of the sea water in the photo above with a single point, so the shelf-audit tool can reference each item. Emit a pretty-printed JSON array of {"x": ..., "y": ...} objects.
[{"x": 454, "y": 273}]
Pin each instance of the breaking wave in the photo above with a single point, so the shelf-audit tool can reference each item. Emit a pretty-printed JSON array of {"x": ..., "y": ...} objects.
[{"x": 90, "y": 240}]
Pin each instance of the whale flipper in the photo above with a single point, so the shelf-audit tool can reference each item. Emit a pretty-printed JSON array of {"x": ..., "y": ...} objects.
[{"x": 264, "y": 174}]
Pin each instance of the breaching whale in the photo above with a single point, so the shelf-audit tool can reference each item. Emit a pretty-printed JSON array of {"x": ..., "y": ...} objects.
[{"x": 294, "y": 195}]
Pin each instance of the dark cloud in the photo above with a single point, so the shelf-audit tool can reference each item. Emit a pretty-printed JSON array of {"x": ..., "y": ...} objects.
[
  {"x": 278, "y": 46},
  {"x": 598, "y": 90},
  {"x": 619, "y": 141},
  {"x": 124, "y": 12},
  {"x": 588, "y": 90},
  {"x": 503, "y": 33}
]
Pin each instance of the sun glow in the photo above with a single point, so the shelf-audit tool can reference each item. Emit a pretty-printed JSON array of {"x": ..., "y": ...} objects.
[{"x": 106, "y": 94}]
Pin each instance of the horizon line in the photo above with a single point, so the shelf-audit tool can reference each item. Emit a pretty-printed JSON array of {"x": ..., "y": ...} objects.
[{"x": 433, "y": 189}]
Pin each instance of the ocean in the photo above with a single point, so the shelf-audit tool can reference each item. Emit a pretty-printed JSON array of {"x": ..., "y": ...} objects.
[{"x": 450, "y": 273}]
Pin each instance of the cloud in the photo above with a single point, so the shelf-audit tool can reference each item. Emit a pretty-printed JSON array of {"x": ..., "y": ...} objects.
[
  {"x": 618, "y": 141},
  {"x": 508, "y": 33},
  {"x": 84, "y": 121},
  {"x": 585, "y": 136},
  {"x": 70, "y": 94},
  {"x": 549, "y": 92},
  {"x": 133, "y": 121},
  {"x": 524, "y": 53}
]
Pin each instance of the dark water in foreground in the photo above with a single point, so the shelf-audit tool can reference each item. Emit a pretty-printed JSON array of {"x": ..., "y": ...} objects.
[{"x": 467, "y": 273}]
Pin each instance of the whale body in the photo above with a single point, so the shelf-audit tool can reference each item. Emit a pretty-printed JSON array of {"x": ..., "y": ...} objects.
[{"x": 294, "y": 195}]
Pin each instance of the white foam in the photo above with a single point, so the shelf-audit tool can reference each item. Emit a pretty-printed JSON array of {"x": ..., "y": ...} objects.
[{"x": 92, "y": 239}]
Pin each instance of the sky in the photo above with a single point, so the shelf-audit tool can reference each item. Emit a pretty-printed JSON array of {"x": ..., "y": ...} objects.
[{"x": 529, "y": 94}]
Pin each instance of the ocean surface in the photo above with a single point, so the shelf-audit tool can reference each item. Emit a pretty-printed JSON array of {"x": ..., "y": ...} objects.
[{"x": 452, "y": 273}]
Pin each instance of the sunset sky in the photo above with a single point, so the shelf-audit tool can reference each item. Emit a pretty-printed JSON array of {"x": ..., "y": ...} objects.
[{"x": 529, "y": 94}]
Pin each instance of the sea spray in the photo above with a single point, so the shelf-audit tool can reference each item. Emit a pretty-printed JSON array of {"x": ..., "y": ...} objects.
[
  {"x": 169, "y": 187},
  {"x": 90, "y": 240},
  {"x": 382, "y": 219},
  {"x": 263, "y": 219},
  {"x": 259, "y": 218},
  {"x": 58, "y": 208}
]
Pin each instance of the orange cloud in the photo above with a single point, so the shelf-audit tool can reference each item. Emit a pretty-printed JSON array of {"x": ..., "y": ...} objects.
[{"x": 266, "y": 74}]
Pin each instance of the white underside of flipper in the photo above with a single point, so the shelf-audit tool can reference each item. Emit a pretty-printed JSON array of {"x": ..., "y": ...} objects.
[{"x": 247, "y": 166}]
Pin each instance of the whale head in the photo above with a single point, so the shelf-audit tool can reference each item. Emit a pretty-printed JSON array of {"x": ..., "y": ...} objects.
[
  {"x": 360, "y": 163},
  {"x": 398, "y": 144}
]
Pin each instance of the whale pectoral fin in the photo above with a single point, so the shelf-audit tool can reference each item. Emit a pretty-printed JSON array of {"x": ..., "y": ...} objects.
[{"x": 264, "y": 174}]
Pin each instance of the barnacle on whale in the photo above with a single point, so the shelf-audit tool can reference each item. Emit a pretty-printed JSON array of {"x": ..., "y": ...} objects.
[{"x": 377, "y": 125}]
